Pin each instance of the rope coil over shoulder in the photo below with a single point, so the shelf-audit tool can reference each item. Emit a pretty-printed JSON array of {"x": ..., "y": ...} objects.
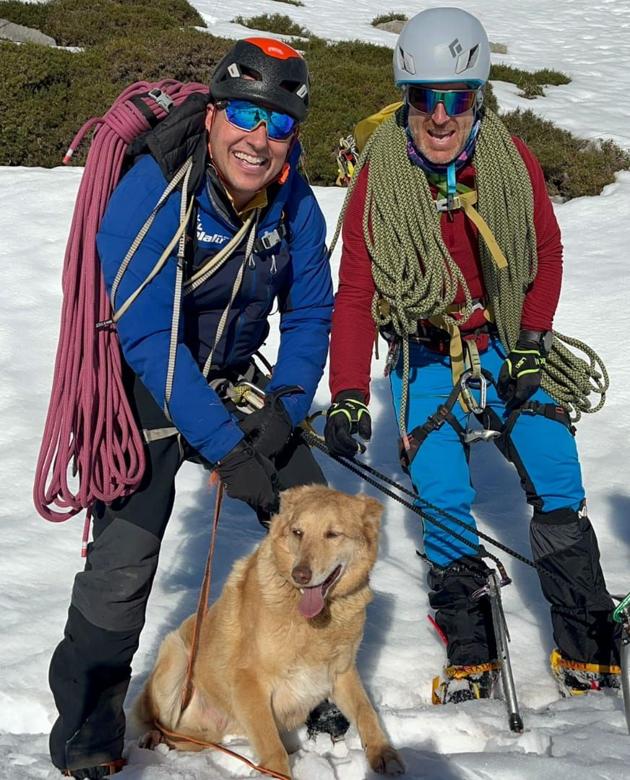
[
  {"x": 91, "y": 448},
  {"x": 416, "y": 277}
]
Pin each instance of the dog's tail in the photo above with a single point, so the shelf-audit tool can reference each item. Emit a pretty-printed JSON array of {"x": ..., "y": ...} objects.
[{"x": 161, "y": 698}]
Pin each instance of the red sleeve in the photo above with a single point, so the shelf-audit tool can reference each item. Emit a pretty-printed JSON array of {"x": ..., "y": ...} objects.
[
  {"x": 352, "y": 334},
  {"x": 542, "y": 297}
]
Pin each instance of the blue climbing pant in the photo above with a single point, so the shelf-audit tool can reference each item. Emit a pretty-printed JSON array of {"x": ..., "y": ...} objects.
[{"x": 544, "y": 452}]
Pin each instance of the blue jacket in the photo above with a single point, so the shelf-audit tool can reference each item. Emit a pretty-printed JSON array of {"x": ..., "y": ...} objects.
[{"x": 295, "y": 272}]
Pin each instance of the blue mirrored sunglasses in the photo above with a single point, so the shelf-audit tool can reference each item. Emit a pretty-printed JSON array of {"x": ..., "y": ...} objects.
[
  {"x": 247, "y": 116},
  {"x": 455, "y": 101}
]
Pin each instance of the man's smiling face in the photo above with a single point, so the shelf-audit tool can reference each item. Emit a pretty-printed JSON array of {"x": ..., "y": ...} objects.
[
  {"x": 438, "y": 136},
  {"x": 246, "y": 161}
]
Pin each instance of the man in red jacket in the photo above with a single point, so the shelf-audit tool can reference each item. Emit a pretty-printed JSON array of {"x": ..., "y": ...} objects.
[{"x": 451, "y": 246}]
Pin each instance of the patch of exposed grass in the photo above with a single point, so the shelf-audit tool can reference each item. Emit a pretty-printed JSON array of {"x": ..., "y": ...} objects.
[
  {"x": 90, "y": 22},
  {"x": 280, "y": 24},
  {"x": 383, "y": 18},
  {"x": 530, "y": 83},
  {"x": 291, "y": 2}
]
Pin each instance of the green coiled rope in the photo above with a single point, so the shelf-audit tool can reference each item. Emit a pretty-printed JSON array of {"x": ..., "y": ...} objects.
[{"x": 415, "y": 275}]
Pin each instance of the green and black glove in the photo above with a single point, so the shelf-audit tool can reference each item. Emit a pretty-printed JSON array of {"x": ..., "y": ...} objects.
[
  {"x": 347, "y": 415},
  {"x": 521, "y": 373}
]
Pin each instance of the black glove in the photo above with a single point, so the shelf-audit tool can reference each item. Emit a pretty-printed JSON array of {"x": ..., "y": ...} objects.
[
  {"x": 521, "y": 373},
  {"x": 268, "y": 429},
  {"x": 347, "y": 415},
  {"x": 250, "y": 477}
]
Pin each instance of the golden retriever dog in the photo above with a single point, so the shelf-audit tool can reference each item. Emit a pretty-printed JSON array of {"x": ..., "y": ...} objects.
[{"x": 282, "y": 636}]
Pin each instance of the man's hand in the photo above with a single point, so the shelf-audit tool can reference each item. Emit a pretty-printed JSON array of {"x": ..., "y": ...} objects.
[
  {"x": 521, "y": 373},
  {"x": 250, "y": 477},
  {"x": 347, "y": 415},
  {"x": 268, "y": 429}
]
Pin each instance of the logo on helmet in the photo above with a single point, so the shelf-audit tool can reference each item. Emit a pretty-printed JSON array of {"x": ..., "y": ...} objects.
[{"x": 455, "y": 48}]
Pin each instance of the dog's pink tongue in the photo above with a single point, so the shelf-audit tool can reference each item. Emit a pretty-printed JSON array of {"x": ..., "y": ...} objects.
[{"x": 312, "y": 601}]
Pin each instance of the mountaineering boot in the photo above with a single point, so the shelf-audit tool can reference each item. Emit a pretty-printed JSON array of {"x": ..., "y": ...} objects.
[
  {"x": 96, "y": 772},
  {"x": 575, "y": 678},
  {"x": 466, "y": 683},
  {"x": 464, "y": 621},
  {"x": 327, "y": 718}
]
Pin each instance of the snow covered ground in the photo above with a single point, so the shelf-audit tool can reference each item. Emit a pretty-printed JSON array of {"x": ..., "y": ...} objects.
[{"x": 581, "y": 739}]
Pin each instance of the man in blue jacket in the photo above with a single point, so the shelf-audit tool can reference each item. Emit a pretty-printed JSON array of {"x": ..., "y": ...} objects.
[{"x": 240, "y": 231}]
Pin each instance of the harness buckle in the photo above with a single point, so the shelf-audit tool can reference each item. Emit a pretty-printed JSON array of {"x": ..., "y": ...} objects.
[
  {"x": 472, "y": 436},
  {"x": 162, "y": 99},
  {"x": 450, "y": 203},
  {"x": 270, "y": 239}
]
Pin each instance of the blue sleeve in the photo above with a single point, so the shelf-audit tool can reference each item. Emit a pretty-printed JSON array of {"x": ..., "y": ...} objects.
[
  {"x": 306, "y": 309},
  {"x": 144, "y": 329}
]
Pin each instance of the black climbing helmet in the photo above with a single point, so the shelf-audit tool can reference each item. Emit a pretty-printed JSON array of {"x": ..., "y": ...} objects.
[{"x": 263, "y": 70}]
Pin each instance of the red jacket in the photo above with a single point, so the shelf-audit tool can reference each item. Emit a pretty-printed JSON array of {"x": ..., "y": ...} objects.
[{"x": 353, "y": 328}]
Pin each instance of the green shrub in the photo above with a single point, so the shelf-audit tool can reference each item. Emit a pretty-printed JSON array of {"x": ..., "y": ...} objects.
[
  {"x": 186, "y": 55},
  {"x": 88, "y": 22},
  {"x": 530, "y": 84},
  {"x": 47, "y": 93},
  {"x": 388, "y": 18},
  {"x": 280, "y": 24},
  {"x": 573, "y": 167},
  {"x": 349, "y": 81},
  {"x": 28, "y": 14}
]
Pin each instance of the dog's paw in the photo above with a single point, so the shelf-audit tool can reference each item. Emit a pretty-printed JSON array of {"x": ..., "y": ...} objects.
[
  {"x": 151, "y": 740},
  {"x": 386, "y": 761}
]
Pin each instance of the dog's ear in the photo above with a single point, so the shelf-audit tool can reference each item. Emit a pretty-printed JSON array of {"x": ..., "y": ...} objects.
[
  {"x": 372, "y": 512},
  {"x": 289, "y": 501}
]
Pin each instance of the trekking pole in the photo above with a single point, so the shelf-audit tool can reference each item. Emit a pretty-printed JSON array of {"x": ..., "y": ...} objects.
[
  {"x": 492, "y": 589},
  {"x": 622, "y": 615}
]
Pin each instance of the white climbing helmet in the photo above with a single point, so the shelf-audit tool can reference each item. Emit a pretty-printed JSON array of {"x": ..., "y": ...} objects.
[{"x": 442, "y": 45}]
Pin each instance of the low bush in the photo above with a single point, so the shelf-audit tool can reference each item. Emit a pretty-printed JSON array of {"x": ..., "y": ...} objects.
[
  {"x": 383, "y": 18},
  {"x": 28, "y": 14},
  {"x": 280, "y": 24},
  {"x": 47, "y": 93},
  {"x": 88, "y": 22},
  {"x": 530, "y": 84},
  {"x": 573, "y": 167}
]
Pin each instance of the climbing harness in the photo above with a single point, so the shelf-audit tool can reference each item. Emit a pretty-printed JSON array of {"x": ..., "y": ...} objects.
[{"x": 412, "y": 441}]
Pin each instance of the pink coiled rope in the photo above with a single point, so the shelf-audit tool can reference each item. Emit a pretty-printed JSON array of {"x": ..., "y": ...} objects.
[{"x": 91, "y": 438}]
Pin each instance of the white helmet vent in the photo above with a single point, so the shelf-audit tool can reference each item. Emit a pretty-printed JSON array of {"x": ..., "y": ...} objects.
[
  {"x": 467, "y": 60},
  {"x": 406, "y": 61}
]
